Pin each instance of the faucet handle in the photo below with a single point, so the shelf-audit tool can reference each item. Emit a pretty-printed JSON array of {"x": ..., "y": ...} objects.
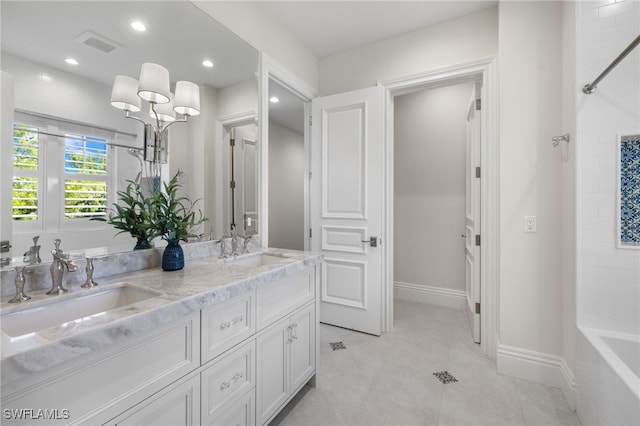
[
  {"x": 89, "y": 283},
  {"x": 56, "y": 243},
  {"x": 20, "y": 281}
]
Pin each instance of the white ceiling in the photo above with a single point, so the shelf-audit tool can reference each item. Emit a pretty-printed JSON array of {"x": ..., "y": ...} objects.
[
  {"x": 330, "y": 27},
  {"x": 179, "y": 36}
]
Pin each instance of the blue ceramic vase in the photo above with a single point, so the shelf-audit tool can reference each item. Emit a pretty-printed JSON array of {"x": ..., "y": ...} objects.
[{"x": 173, "y": 256}]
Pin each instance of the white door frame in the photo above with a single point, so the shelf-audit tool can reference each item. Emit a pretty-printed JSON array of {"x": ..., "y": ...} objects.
[
  {"x": 486, "y": 69},
  {"x": 270, "y": 69},
  {"x": 222, "y": 161}
]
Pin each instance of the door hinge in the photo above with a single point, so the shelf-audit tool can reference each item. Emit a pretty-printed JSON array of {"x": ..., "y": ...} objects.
[
  {"x": 478, "y": 308},
  {"x": 478, "y": 104},
  {"x": 478, "y": 172},
  {"x": 232, "y": 184},
  {"x": 477, "y": 239},
  {"x": 310, "y": 120},
  {"x": 310, "y": 175},
  {"x": 310, "y": 233}
]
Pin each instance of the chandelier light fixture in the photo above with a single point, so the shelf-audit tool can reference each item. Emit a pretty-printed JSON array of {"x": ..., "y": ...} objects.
[{"x": 153, "y": 87}]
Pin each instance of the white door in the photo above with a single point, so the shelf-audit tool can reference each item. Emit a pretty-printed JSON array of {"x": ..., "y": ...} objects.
[
  {"x": 472, "y": 227},
  {"x": 347, "y": 206}
]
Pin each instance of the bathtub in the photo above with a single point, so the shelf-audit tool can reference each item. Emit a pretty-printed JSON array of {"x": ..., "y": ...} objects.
[{"x": 607, "y": 377}]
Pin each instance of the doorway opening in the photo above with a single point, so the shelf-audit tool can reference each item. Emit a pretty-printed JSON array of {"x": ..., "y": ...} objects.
[
  {"x": 485, "y": 71},
  {"x": 432, "y": 215},
  {"x": 286, "y": 168}
]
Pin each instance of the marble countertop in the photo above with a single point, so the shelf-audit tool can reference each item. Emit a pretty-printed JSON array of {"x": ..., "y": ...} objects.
[{"x": 201, "y": 283}]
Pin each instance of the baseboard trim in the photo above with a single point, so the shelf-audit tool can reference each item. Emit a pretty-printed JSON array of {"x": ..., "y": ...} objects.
[
  {"x": 538, "y": 367},
  {"x": 428, "y": 294}
]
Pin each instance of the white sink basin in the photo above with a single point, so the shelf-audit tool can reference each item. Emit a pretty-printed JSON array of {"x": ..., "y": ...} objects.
[
  {"x": 255, "y": 260},
  {"x": 73, "y": 309}
]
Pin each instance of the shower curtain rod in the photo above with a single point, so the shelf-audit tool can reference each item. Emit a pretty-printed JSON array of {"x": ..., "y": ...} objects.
[{"x": 588, "y": 88}]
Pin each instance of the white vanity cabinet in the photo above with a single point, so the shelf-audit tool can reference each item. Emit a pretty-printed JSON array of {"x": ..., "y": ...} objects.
[
  {"x": 286, "y": 360},
  {"x": 286, "y": 343},
  {"x": 235, "y": 362}
]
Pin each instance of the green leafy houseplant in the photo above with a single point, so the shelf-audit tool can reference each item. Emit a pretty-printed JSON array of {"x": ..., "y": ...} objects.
[
  {"x": 175, "y": 216},
  {"x": 135, "y": 213}
]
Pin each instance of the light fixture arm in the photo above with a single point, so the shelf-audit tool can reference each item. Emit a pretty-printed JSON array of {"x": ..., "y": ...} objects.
[
  {"x": 127, "y": 114},
  {"x": 182, "y": 120}
]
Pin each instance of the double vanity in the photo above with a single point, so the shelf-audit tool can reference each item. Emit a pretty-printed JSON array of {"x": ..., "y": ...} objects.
[{"x": 222, "y": 342}]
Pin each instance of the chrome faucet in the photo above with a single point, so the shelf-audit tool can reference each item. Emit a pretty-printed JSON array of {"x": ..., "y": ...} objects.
[
  {"x": 222, "y": 247},
  {"x": 245, "y": 244},
  {"x": 60, "y": 261},
  {"x": 32, "y": 256}
]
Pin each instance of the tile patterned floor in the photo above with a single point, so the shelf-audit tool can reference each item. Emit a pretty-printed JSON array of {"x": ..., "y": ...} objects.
[{"x": 389, "y": 380}]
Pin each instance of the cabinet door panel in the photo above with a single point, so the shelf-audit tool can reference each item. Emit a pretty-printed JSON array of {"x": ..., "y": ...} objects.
[
  {"x": 273, "y": 377},
  {"x": 227, "y": 378},
  {"x": 302, "y": 346},
  {"x": 176, "y": 407}
]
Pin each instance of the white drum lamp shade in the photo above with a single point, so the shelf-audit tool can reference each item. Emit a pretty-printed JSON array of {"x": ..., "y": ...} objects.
[
  {"x": 124, "y": 94},
  {"x": 165, "y": 111},
  {"x": 187, "y": 101},
  {"x": 153, "y": 85}
]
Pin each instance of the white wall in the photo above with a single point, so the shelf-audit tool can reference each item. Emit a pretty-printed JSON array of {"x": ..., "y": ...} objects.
[
  {"x": 429, "y": 186},
  {"x": 239, "y": 98},
  {"x": 569, "y": 184},
  {"x": 459, "y": 40},
  {"x": 530, "y": 75},
  {"x": 286, "y": 187},
  {"x": 609, "y": 278}
]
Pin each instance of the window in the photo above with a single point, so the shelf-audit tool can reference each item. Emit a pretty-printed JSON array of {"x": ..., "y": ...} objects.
[
  {"x": 85, "y": 184},
  {"x": 26, "y": 176},
  {"x": 61, "y": 174}
]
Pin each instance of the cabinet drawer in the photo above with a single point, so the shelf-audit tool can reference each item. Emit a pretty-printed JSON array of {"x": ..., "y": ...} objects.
[
  {"x": 277, "y": 299},
  {"x": 241, "y": 413},
  {"x": 227, "y": 324},
  {"x": 177, "y": 406},
  {"x": 106, "y": 382},
  {"x": 226, "y": 379}
]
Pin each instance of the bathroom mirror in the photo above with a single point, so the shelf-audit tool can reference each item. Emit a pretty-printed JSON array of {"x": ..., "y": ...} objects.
[{"x": 37, "y": 37}]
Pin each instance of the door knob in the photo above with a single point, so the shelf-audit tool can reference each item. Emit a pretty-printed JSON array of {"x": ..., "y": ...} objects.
[{"x": 373, "y": 241}]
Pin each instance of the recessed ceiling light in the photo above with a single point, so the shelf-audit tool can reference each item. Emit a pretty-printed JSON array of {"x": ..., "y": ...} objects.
[
  {"x": 274, "y": 100},
  {"x": 44, "y": 77},
  {"x": 71, "y": 61},
  {"x": 138, "y": 26},
  {"x": 207, "y": 63}
]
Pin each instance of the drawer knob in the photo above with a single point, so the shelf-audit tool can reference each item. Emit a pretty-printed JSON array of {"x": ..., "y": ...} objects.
[{"x": 228, "y": 383}]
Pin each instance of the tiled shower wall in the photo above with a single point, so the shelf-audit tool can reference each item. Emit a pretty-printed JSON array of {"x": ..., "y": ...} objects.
[{"x": 608, "y": 277}]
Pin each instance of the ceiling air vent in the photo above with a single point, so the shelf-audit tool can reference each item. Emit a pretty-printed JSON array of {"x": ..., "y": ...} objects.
[{"x": 97, "y": 41}]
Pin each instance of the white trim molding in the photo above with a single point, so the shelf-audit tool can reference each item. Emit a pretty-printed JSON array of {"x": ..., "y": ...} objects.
[
  {"x": 270, "y": 69},
  {"x": 440, "y": 296},
  {"x": 538, "y": 367},
  {"x": 485, "y": 70}
]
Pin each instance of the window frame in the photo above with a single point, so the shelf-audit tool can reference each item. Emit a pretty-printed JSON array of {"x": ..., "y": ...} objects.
[{"x": 51, "y": 168}]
